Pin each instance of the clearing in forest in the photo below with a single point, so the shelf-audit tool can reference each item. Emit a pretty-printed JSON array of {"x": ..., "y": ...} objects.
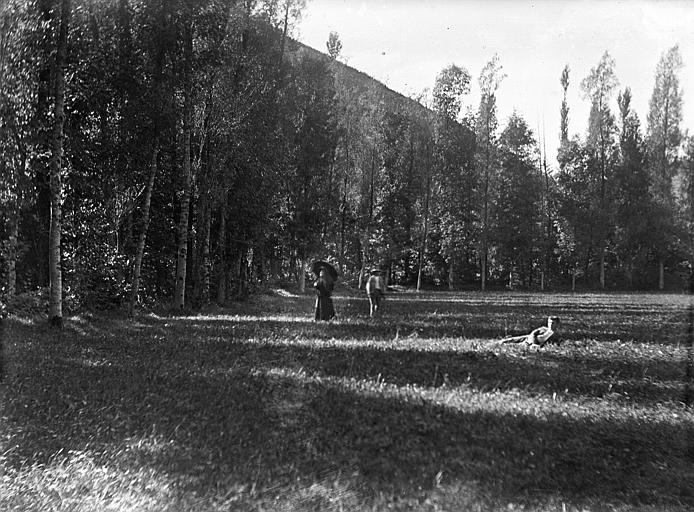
[{"x": 257, "y": 407}]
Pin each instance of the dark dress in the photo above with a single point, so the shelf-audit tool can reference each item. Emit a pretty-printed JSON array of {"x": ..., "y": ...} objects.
[{"x": 324, "y": 303}]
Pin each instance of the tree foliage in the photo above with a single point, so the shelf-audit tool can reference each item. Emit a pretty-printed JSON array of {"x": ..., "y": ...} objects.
[
  {"x": 201, "y": 129},
  {"x": 517, "y": 218}
]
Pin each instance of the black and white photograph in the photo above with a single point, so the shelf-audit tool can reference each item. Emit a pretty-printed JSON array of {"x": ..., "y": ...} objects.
[{"x": 346, "y": 255}]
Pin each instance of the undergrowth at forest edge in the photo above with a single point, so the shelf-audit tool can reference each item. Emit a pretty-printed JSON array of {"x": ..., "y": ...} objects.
[{"x": 256, "y": 407}]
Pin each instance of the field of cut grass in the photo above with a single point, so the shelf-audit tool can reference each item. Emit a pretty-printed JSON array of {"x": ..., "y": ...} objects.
[{"x": 257, "y": 407}]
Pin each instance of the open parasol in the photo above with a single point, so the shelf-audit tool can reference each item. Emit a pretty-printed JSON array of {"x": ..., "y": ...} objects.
[{"x": 321, "y": 265}]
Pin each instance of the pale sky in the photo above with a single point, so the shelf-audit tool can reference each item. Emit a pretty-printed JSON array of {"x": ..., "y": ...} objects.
[{"x": 405, "y": 43}]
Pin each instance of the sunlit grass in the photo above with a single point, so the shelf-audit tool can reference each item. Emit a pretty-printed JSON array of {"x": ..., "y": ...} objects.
[{"x": 257, "y": 407}]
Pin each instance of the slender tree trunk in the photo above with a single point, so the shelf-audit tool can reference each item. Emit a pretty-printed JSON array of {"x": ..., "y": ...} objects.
[
  {"x": 293, "y": 266},
  {"x": 13, "y": 223},
  {"x": 262, "y": 266},
  {"x": 197, "y": 262},
  {"x": 602, "y": 267},
  {"x": 275, "y": 264},
  {"x": 13, "y": 220},
  {"x": 140, "y": 251},
  {"x": 202, "y": 295},
  {"x": 661, "y": 274},
  {"x": 485, "y": 218},
  {"x": 204, "y": 208},
  {"x": 55, "y": 309},
  {"x": 483, "y": 269},
  {"x": 206, "y": 258},
  {"x": 451, "y": 273},
  {"x": 245, "y": 270},
  {"x": 222, "y": 255},
  {"x": 127, "y": 243},
  {"x": 573, "y": 277},
  {"x": 485, "y": 249},
  {"x": 182, "y": 261},
  {"x": 362, "y": 266},
  {"x": 423, "y": 248},
  {"x": 372, "y": 188},
  {"x": 364, "y": 242},
  {"x": 630, "y": 273},
  {"x": 302, "y": 275},
  {"x": 544, "y": 214},
  {"x": 42, "y": 142},
  {"x": 13, "y": 236},
  {"x": 343, "y": 221},
  {"x": 239, "y": 273},
  {"x": 550, "y": 224},
  {"x": 248, "y": 260}
]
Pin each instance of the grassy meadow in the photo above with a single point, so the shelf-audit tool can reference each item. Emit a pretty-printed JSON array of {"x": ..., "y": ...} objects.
[{"x": 257, "y": 407}]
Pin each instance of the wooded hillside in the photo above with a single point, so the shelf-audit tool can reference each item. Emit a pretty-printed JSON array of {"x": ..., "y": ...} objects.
[{"x": 192, "y": 152}]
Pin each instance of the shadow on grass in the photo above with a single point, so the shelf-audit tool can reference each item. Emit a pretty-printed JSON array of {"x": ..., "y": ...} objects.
[
  {"x": 363, "y": 349},
  {"x": 653, "y": 377},
  {"x": 244, "y": 415}
]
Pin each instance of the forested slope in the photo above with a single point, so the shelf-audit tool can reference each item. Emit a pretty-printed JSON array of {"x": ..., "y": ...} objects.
[{"x": 197, "y": 153}]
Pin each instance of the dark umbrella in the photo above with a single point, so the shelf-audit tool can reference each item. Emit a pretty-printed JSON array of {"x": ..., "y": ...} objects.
[{"x": 320, "y": 265}]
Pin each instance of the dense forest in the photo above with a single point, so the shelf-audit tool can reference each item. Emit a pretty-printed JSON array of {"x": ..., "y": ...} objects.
[{"x": 192, "y": 152}]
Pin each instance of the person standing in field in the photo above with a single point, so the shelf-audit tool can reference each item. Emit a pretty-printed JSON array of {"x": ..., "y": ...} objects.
[
  {"x": 324, "y": 285},
  {"x": 375, "y": 289}
]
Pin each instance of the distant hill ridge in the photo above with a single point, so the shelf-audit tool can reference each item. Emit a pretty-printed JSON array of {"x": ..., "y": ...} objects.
[{"x": 358, "y": 79}]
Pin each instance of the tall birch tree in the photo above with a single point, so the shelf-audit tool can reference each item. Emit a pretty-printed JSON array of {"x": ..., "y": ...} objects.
[
  {"x": 598, "y": 87},
  {"x": 664, "y": 138},
  {"x": 487, "y": 153},
  {"x": 454, "y": 162},
  {"x": 182, "y": 252},
  {"x": 55, "y": 307}
]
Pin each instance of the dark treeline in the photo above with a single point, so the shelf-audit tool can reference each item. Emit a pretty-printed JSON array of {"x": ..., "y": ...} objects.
[{"x": 191, "y": 151}]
